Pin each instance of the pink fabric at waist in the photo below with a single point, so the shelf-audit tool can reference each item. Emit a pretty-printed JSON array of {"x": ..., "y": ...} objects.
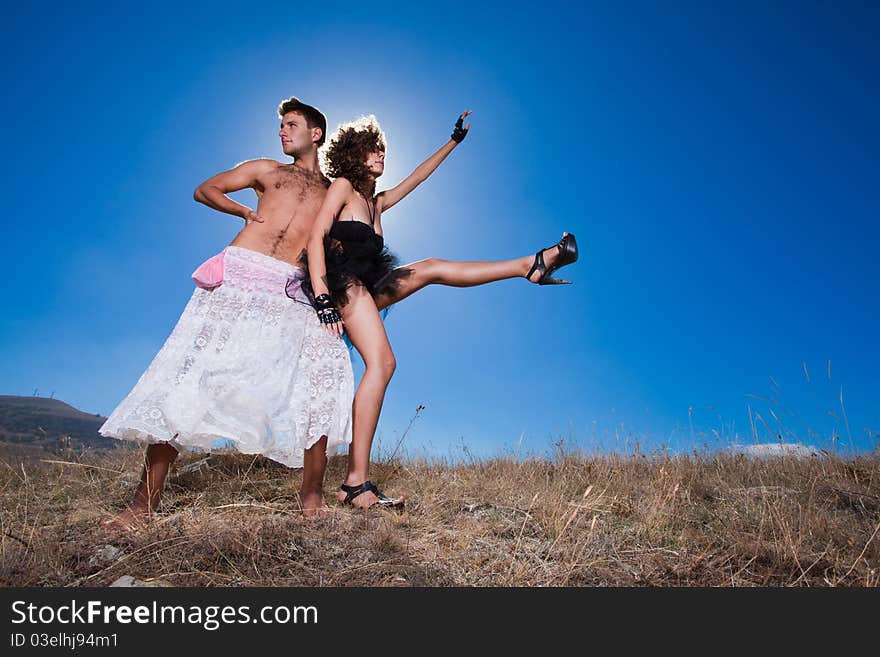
[{"x": 232, "y": 259}]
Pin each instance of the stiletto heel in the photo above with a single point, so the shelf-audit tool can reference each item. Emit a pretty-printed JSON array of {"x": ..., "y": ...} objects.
[{"x": 568, "y": 253}]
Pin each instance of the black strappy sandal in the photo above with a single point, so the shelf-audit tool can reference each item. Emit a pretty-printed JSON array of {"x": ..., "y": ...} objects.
[
  {"x": 385, "y": 502},
  {"x": 568, "y": 253}
]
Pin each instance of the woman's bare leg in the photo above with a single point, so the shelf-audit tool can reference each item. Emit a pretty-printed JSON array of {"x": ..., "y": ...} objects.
[
  {"x": 367, "y": 333},
  {"x": 435, "y": 271}
]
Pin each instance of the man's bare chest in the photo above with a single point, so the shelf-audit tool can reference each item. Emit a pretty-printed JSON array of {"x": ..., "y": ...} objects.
[{"x": 290, "y": 186}]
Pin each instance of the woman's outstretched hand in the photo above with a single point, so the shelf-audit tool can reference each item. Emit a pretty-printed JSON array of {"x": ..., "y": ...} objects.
[{"x": 460, "y": 132}]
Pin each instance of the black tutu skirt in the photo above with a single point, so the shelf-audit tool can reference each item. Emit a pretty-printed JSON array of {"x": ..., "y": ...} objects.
[{"x": 355, "y": 254}]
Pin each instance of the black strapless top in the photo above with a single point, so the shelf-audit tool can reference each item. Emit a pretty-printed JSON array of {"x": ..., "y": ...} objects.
[
  {"x": 358, "y": 238},
  {"x": 355, "y": 253}
]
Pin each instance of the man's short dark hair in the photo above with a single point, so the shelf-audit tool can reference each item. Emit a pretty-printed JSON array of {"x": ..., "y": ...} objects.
[{"x": 314, "y": 117}]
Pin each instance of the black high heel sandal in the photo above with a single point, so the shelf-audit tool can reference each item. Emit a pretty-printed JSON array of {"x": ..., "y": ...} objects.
[
  {"x": 568, "y": 253},
  {"x": 385, "y": 502}
]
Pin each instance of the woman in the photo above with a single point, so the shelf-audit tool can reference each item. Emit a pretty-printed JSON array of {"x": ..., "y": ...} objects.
[{"x": 353, "y": 276}]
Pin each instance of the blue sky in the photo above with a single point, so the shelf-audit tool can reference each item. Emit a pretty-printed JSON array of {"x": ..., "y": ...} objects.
[{"x": 719, "y": 166}]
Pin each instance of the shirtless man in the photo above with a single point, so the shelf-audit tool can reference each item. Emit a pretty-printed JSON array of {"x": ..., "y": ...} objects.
[
  {"x": 271, "y": 242},
  {"x": 289, "y": 195}
]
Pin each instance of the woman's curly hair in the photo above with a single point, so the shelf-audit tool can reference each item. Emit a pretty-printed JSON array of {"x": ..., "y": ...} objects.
[{"x": 345, "y": 155}]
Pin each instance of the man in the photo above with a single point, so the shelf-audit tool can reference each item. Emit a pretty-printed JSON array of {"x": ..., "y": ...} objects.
[{"x": 246, "y": 361}]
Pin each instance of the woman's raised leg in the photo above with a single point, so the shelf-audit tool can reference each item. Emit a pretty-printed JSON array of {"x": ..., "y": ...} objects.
[
  {"x": 367, "y": 333},
  {"x": 435, "y": 271}
]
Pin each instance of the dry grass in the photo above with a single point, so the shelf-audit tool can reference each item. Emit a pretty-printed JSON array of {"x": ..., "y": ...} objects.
[{"x": 576, "y": 521}]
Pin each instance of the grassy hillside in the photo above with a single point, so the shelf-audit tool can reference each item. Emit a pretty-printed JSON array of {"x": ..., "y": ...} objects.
[{"x": 573, "y": 521}]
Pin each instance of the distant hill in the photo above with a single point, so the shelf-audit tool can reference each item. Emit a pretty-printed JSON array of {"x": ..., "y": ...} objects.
[{"x": 44, "y": 422}]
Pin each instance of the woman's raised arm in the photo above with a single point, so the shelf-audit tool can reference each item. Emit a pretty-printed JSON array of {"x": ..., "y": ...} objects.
[{"x": 395, "y": 194}]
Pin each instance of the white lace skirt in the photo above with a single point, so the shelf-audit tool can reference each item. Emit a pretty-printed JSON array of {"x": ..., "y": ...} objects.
[{"x": 247, "y": 363}]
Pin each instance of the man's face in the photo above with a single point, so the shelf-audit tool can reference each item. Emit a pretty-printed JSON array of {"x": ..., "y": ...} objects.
[
  {"x": 376, "y": 162},
  {"x": 296, "y": 136}
]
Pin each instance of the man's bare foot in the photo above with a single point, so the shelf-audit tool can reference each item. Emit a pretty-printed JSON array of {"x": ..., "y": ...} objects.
[
  {"x": 130, "y": 519},
  {"x": 313, "y": 504}
]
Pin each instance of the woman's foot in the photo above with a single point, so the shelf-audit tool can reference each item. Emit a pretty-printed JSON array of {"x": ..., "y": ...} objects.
[
  {"x": 545, "y": 262},
  {"x": 366, "y": 495}
]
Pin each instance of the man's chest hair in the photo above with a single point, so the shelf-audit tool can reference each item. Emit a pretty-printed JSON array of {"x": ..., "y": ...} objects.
[{"x": 290, "y": 179}]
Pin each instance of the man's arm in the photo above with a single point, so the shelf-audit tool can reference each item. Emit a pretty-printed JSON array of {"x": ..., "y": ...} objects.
[
  {"x": 213, "y": 192},
  {"x": 421, "y": 173}
]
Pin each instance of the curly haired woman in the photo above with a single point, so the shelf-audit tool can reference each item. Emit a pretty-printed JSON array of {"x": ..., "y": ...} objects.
[{"x": 353, "y": 276}]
